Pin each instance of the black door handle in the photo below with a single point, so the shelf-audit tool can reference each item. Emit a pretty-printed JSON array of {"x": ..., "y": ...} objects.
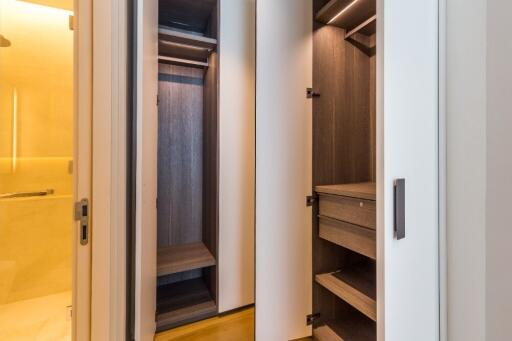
[{"x": 399, "y": 196}]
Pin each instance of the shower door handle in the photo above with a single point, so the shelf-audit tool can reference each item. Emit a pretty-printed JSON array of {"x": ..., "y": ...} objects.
[{"x": 26, "y": 194}]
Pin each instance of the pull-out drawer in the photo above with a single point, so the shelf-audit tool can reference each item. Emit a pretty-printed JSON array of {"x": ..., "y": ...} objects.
[
  {"x": 352, "y": 210},
  {"x": 356, "y": 238}
]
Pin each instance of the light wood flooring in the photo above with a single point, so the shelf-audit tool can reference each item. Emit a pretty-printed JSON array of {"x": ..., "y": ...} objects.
[{"x": 238, "y": 326}]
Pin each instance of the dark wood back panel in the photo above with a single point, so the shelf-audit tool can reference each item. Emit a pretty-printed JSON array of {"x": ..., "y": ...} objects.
[
  {"x": 180, "y": 155},
  {"x": 343, "y": 138},
  {"x": 342, "y": 131},
  {"x": 211, "y": 167}
]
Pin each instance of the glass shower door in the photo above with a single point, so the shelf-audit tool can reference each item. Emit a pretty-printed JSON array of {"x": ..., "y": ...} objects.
[{"x": 36, "y": 180}]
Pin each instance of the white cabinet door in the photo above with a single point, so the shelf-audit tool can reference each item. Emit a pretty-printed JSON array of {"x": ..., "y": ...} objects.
[
  {"x": 408, "y": 293},
  {"x": 283, "y": 168},
  {"x": 146, "y": 173},
  {"x": 407, "y": 144}
]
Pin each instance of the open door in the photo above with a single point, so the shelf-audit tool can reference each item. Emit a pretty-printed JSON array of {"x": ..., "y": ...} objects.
[
  {"x": 407, "y": 148},
  {"x": 284, "y": 62},
  {"x": 146, "y": 81},
  {"x": 407, "y": 130}
]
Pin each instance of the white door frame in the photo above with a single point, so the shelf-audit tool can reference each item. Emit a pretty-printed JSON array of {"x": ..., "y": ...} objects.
[
  {"x": 99, "y": 281},
  {"x": 82, "y": 164}
]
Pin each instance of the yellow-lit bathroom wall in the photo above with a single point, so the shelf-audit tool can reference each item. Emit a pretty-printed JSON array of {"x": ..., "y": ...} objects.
[{"x": 36, "y": 148}]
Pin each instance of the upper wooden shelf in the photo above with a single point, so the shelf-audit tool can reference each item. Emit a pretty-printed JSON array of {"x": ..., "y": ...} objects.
[
  {"x": 350, "y": 15},
  {"x": 355, "y": 285},
  {"x": 178, "y": 44},
  {"x": 363, "y": 190},
  {"x": 179, "y": 258}
]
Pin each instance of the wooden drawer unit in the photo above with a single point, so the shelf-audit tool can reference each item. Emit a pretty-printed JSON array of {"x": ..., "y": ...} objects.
[
  {"x": 352, "y": 203},
  {"x": 353, "y": 237}
]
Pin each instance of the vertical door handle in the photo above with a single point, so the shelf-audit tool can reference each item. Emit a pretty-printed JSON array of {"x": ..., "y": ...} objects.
[{"x": 399, "y": 196}]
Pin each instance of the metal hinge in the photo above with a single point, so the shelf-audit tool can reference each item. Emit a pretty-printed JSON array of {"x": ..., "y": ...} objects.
[
  {"x": 311, "y": 318},
  {"x": 310, "y": 93},
  {"x": 310, "y": 200},
  {"x": 82, "y": 216},
  {"x": 157, "y": 100}
]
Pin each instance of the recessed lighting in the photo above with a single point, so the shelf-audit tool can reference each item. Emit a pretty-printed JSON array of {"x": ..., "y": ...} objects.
[{"x": 343, "y": 11}]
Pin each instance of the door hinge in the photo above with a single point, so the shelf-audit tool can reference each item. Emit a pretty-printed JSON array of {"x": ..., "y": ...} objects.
[
  {"x": 157, "y": 100},
  {"x": 310, "y": 93},
  {"x": 82, "y": 216},
  {"x": 312, "y": 318},
  {"x": 310, "y": 200}
]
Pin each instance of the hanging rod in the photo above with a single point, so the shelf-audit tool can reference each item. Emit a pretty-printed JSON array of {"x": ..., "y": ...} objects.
[
  {"x": 181, "y": 61},
  {"x": 361, "y": 26}
]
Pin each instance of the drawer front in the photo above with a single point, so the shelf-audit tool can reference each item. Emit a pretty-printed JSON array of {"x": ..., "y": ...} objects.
[
  {"x": 352, "y": 237},
  {"x": 352, "y": 210}
]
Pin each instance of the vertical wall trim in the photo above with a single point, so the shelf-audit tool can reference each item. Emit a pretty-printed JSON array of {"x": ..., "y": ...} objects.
[{"x": 442, "y": 175}]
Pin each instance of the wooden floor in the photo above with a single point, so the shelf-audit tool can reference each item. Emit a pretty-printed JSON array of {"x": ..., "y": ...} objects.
[{"x": 238, "y": 326}]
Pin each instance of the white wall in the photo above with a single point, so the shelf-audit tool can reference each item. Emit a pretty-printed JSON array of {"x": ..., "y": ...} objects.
[
  {"x": 237, "y": 153},
  {"x": 479, "y": 170},
  {"x": 499, "y": 172},
  {"x": 466, "y": 171}
]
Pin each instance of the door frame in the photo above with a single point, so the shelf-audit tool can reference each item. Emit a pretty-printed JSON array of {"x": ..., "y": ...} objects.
[
  {"x": 82, "y": 161},
  {"x": 101, "y": 101}
]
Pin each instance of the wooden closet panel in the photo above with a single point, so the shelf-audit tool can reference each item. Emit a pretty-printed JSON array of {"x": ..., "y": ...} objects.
[
  {"x": 373, "y": 112},
  {"x": 180, "y": 155},
  {"x": 210, "y": 167},
  {"x": 341, "y": 119}
]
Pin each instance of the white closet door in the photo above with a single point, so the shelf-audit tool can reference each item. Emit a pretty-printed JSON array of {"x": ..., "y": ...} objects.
[
  {"x": 146, "y": 177},
  {"x": 408, "y": 292},
  {"x": 283, "y": 168}
]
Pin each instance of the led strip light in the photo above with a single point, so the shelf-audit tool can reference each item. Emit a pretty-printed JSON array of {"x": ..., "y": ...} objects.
[{"x": 343, "y": 11}]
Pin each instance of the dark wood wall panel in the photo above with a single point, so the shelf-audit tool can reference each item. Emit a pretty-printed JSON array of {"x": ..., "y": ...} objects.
[
  {"x": 341, "y": 115},
  {"x": 343, "y": 139},
  {"x": 180, "y": 155},
  {"x": 373, "y": 114},
  {"x": 210, "y": 167}
]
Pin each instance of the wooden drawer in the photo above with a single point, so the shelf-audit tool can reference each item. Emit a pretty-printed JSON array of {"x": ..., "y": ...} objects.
[
  {"x": 356, "y": 238},
  {"x": 352, "y": 210}
]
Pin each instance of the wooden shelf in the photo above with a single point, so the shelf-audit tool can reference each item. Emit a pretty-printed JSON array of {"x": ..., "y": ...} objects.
[
  {"x": 356, "y": 238},
  {"x": 325, "y": 333},
  {"x": 355, "y": 285},
  {"x": 182, "y": 62},
  {"x": 178, "y": 44},
  {"x": 348, "y": 14},
  {"x": 353, "y": 327},
  {"x": 363, "y": 190},
  {"x": 183, "y": 302},
  {"x": 179, "y": 258}
]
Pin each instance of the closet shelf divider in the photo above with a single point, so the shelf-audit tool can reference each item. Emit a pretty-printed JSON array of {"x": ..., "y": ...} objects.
[{"x": 179, "y": 258}]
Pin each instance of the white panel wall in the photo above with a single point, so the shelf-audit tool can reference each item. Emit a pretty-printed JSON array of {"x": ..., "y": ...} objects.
[
  {"x": 237, "y": 153},
  {"x": 466, "y": 173},
  {"x": 499, "y": 171}
]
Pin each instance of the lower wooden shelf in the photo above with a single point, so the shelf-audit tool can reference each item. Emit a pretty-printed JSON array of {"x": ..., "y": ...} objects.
[
  {"x": 183, "y": 302},
  {"x": 353, "y": 327},
  {"x": 178, "y": 258},
  {"x": 354, "y": 285}
]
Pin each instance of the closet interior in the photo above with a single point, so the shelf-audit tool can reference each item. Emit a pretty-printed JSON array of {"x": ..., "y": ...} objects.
[
  {"x": 344, "y": 167},
  {"x": 187, "y": 205}
]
